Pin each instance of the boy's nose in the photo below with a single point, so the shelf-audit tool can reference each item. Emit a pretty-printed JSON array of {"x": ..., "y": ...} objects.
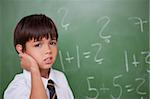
[{"x": 48, "y": 50}]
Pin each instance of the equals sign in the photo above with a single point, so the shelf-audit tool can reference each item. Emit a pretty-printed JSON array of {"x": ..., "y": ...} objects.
[
  {"x": 129, "y": 88},
  {"x": 86, "y": 54},
  {"x": 148, "y": 71}
]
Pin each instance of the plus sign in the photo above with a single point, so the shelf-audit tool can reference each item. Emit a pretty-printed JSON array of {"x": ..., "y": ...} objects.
[
  {"x": 69, "y": 58},
  {"x": 104, "y": 89},
  {"x": 135, "y": 62}
]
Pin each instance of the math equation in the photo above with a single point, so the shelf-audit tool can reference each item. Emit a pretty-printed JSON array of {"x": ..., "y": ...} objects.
[{"x": 132, "y": 59}]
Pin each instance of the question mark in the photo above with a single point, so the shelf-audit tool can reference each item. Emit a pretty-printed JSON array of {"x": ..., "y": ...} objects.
[
  {"x": 65, "y": 26},
  {"x": 141, "y": 22},
  {"x": 106, "y": 38}
]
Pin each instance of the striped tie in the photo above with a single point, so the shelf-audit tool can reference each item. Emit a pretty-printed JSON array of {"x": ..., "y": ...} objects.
[{"x": 51, "y": 88}]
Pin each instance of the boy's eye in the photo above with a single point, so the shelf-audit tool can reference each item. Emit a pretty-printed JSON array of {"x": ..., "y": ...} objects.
[
  {"x": 37, "y": 45},
  {"x": 53, "y": 43}
]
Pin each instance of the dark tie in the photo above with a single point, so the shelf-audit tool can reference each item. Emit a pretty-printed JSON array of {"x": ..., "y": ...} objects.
[{"x": 51, "y": 89}]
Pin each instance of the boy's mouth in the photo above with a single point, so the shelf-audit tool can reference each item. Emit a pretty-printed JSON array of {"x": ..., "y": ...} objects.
[{"x": 48, "y": 60}]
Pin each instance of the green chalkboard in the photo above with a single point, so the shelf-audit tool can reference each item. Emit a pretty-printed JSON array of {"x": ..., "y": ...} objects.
[
  {"x": 0, "y": 51},
  {"x": 103, "y": 45}
]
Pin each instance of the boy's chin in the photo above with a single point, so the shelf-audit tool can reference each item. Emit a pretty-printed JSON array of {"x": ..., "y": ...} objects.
[{"x": 46, "y": 67}]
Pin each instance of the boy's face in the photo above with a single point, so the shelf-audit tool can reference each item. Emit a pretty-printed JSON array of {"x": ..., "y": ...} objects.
[{"x": 43, "y": 51}]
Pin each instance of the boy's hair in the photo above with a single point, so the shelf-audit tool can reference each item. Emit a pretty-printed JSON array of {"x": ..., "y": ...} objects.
[{"x": 35, "y": 27}]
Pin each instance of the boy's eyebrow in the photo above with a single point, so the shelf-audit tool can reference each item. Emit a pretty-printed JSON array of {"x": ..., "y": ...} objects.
[
  {"x": 39, "y": 40},
  {"x": 53, "y": 39},
  {"x": 35, "y": 40}
]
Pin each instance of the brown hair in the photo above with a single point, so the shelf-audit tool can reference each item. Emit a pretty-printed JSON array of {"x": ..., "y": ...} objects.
[{"x": 36, "y": 27}]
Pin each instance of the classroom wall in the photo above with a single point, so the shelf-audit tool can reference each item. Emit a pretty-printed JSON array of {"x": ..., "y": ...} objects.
[{"x": 103, "y": 45}]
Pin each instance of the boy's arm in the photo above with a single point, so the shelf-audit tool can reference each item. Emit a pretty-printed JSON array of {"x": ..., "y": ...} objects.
[{"x": 37, "y": 88}]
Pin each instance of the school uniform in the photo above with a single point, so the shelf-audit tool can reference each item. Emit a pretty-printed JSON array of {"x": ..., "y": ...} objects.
[{"x": 20, "y": 87}]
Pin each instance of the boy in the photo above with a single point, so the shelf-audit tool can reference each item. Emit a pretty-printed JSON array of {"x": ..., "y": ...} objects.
[{"x": 35, "y": 40}]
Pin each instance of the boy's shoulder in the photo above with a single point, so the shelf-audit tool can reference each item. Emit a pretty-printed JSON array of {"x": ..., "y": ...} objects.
[
  {"x": 18, "y": 79},
  {"x": 58, "y": 73},
  {"x": 16, "y": 85}
]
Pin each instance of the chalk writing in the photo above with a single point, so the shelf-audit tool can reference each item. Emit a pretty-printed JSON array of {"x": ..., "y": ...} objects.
[
  {"x": 117, "y": 86},
  {"x": 138, "y": 89},
  {"x": 94, "y": 53},
  {"x": 69, "y": 58},
  {"x": 61, "y": 60},
  {"x": 135, "y": 62},
  {"x": 87, "y": 54},
  {"x": 147, "y": 58},
  {"x": 65, "y": 26},
  {"x": 140, "y": 22},
  {"x": 104, "y": 89},
  {"x": 129, "y": 88},
  {"x": 140, "y": 85},
  {"x": 126, "y": 61},
  {"x": 78, "y": 57},
  {"x": 96, "y": 59},
  {"x": 90, "y": 88},
  {"x": 106, "y": 38}
]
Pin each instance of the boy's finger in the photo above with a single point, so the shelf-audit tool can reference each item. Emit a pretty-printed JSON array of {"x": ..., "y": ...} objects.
[
  {"x": 20, "y": 52},
  {"x": 20, "y": 55}
]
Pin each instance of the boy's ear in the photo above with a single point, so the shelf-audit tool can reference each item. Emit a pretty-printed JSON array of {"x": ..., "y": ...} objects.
[{"x": 19, "y": 48}]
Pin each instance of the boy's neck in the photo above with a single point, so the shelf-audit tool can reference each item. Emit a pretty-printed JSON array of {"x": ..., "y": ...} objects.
[{"x": 45, "y": 73}]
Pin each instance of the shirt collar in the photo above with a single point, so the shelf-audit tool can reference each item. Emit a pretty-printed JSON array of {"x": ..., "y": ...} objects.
[{"x": 52, "y": 76}]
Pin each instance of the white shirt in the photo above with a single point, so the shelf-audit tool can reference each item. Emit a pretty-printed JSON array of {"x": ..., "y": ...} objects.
[{"x": 20, "y": 87}]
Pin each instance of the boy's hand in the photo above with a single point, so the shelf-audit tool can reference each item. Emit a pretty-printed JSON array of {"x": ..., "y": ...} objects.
[{"x": 27, "y": 62}]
